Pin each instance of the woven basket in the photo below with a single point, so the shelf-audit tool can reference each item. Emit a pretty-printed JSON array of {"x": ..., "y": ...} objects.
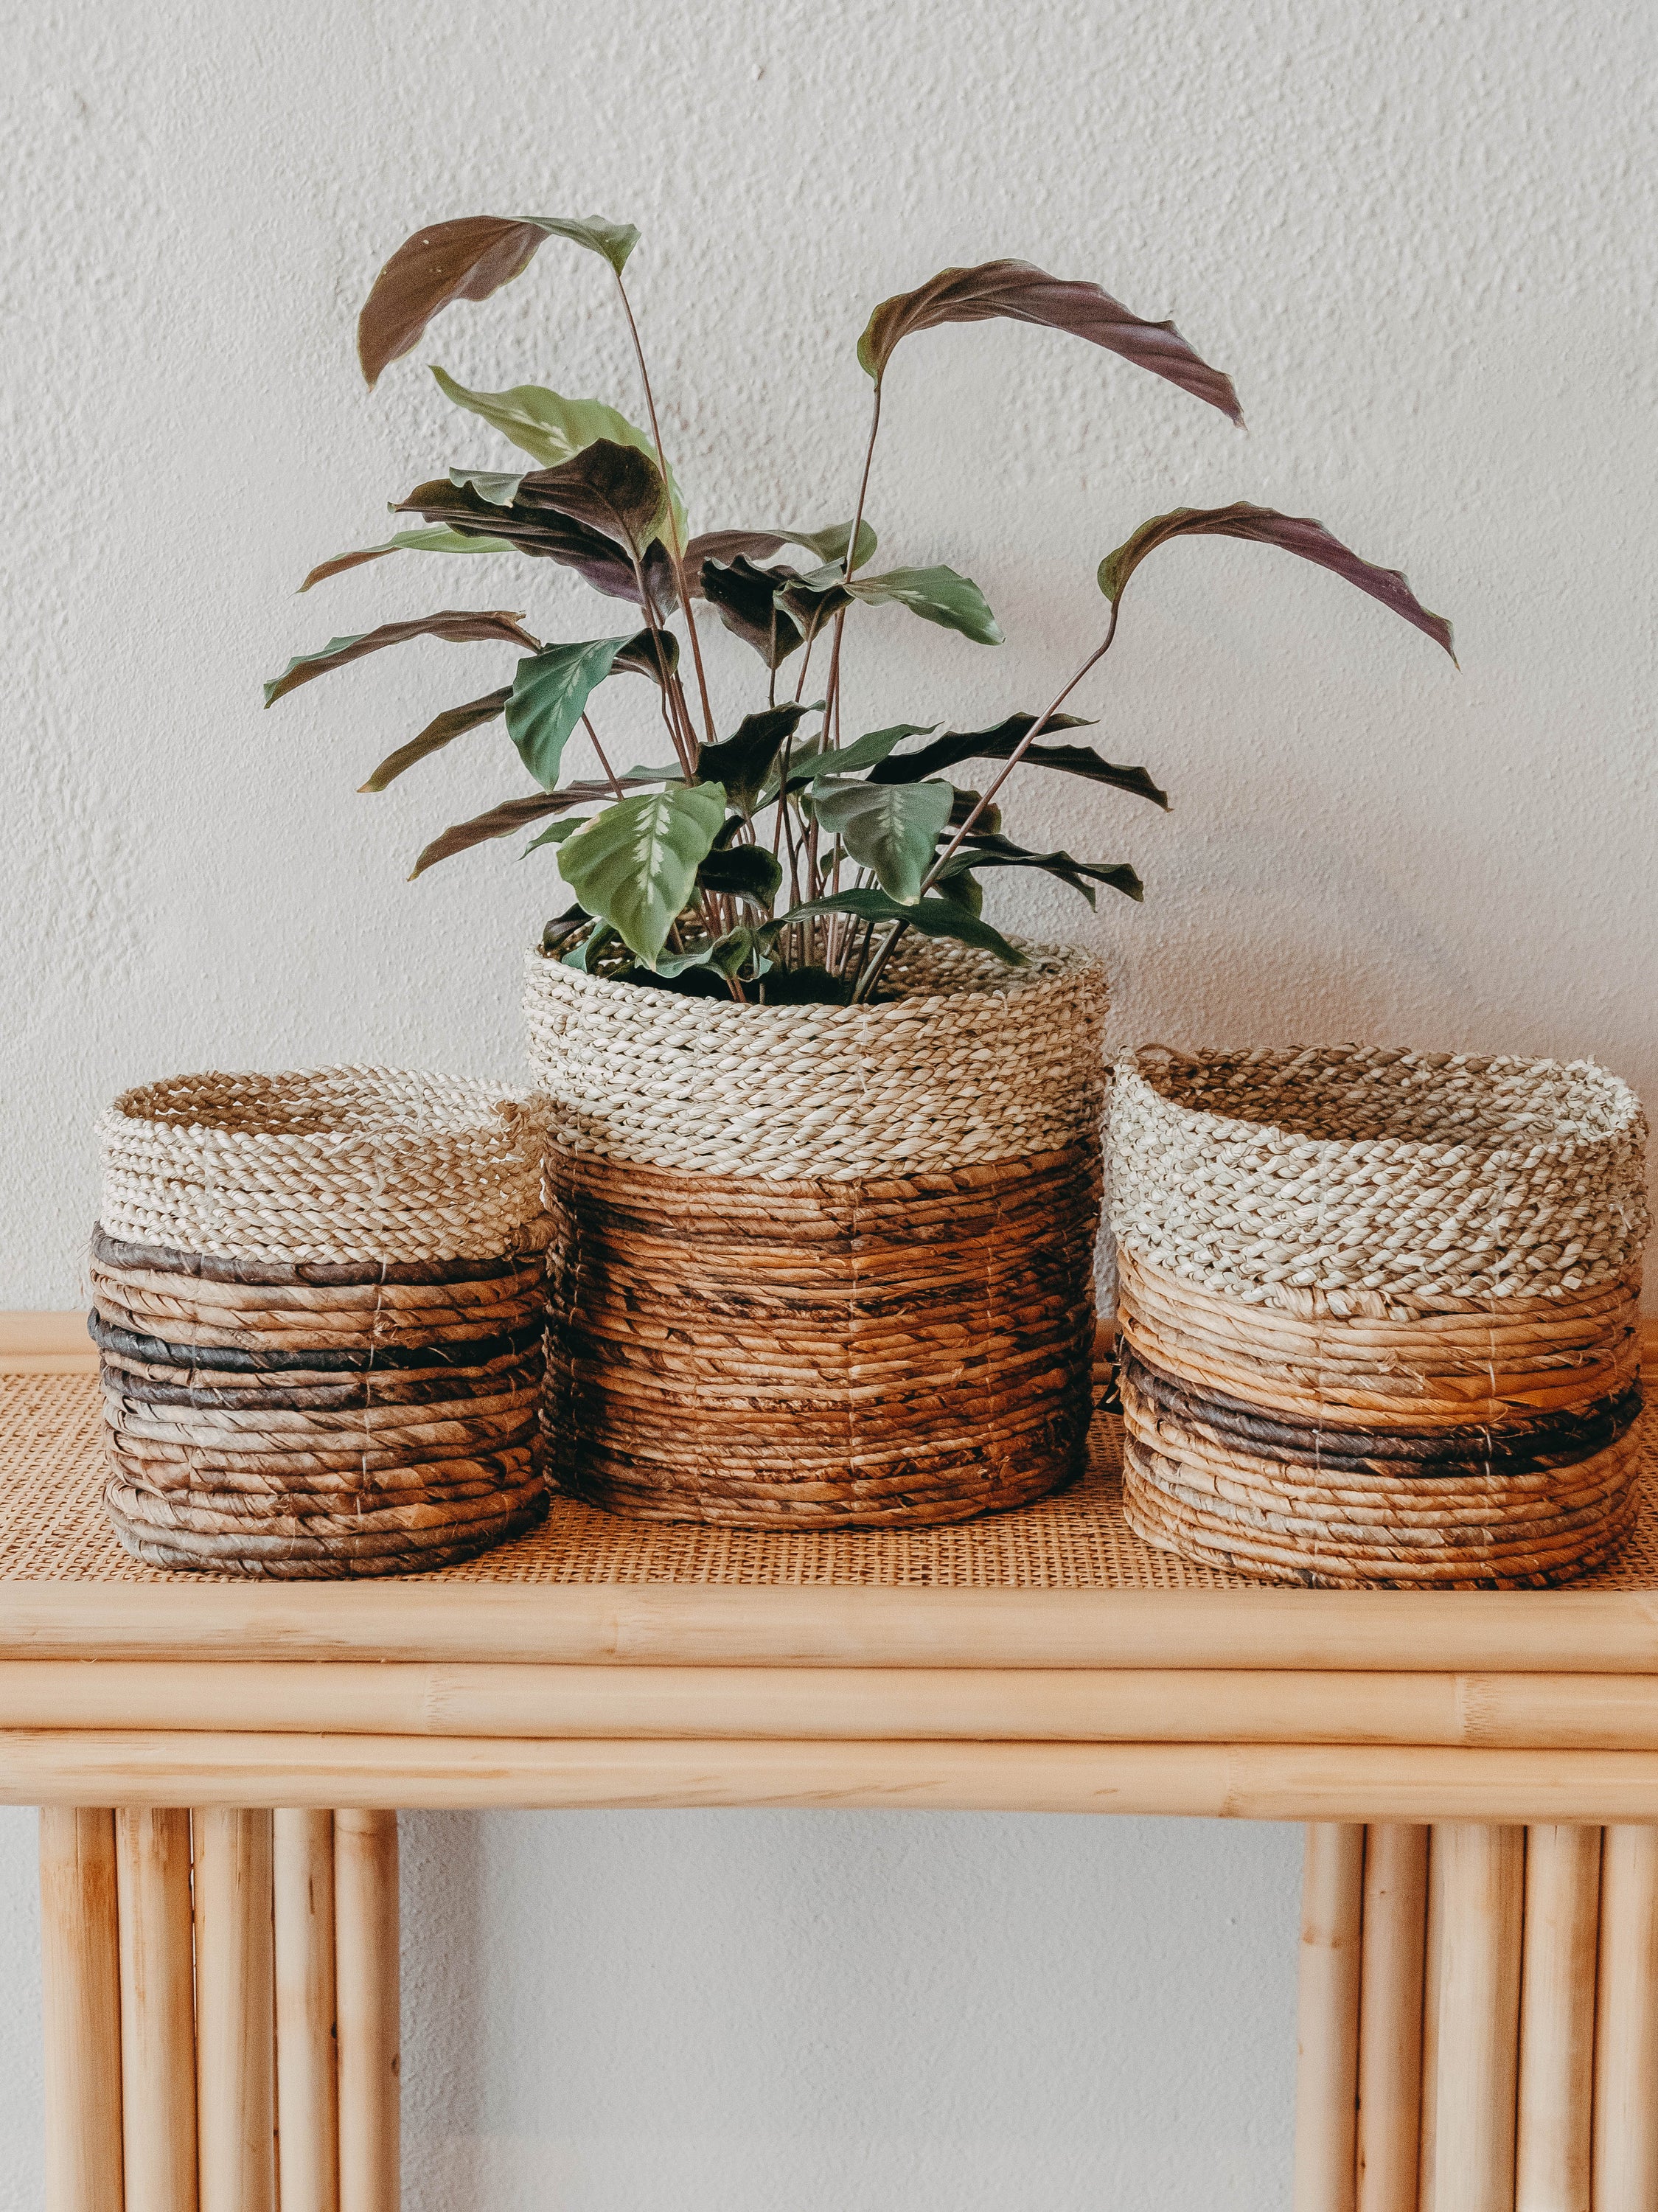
[
  {"x": 819, "y": 1265},
  {"x": 1378, "y": 1313},
  {"x": 319, "y": 1302}
]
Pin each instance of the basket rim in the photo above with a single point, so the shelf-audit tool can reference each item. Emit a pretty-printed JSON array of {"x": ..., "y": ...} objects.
[
  {"x": 476, "y": 1105},
  {"x": 1559, "y": 1140},
  {"x": 1048, "y": 963}
]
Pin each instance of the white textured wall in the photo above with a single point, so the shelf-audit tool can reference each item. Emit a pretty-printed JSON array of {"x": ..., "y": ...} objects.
[{"x": 1423, "y": 242}]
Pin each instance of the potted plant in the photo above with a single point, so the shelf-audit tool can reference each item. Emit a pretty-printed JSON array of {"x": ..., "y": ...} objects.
[{"x": 826, "y": 1155}]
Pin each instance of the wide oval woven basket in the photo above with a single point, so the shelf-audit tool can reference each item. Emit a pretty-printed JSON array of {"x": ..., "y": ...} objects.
[
  {"x": 822, "y": 1265},
  {"x": 320, "y": 1301},
  {"x": 1378, "y": 1312}
]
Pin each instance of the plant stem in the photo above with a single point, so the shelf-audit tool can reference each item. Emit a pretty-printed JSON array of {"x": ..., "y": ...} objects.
[
  {"x": 676, "y": 552},
  {"x": 866, "y": 983},
  {"x": 593, "y": 738}
]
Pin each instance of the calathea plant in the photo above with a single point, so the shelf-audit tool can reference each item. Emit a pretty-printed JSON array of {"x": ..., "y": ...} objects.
[{"x": 769, "y": 858}]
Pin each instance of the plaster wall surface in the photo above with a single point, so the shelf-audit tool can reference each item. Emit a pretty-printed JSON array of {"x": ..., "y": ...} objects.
[{"x": 1423, "y": 242}]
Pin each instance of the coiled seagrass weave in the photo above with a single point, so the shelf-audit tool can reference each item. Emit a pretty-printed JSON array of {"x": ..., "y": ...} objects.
[
  {"x": 820, "y": 1264},
  {"x": 1377, "y": 1318},
  {"x": 322, "y": 1352}
]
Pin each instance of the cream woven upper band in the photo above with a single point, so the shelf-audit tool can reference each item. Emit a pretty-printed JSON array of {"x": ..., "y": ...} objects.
[
  {"x": 1357, "y": 1175},
  {"x": 339, "y": 1163},
  {"x": 977, "y": 1062}
]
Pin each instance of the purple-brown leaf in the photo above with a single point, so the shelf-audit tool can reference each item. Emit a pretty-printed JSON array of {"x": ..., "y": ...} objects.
[
  {"x": 1264, "y": 526},
  {"x": 457, "y": 628},
  {"x": 464, "y": 260},
  {"x": 467, "y": 260},
  {"x": 453, "y": 723},
  {"x": 1023, "y": 295},
  {"x": 547, "y": 533},
  {"x": 501, "y": 821}
]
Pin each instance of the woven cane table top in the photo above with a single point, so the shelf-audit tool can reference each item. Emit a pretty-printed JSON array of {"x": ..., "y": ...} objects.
[{"x": 52, "y": 1528}]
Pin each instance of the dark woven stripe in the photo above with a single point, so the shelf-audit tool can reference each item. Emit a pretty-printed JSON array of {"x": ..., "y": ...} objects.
[
  {"x": 352, "y": 1394},
  {"x": 1527, "y": 1446},
  {"x": 158, "y": 1353},
  {"x": 321, "y": 1274}
]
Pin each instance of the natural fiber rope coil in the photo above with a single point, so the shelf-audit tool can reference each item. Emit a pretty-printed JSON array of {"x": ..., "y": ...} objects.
[
  {"x": 970, "y": 1061},
  {"x": 343, "y": 1165},
  {"x": 343, "y": 1376},
  {"x": 1378, "y": 1313}
]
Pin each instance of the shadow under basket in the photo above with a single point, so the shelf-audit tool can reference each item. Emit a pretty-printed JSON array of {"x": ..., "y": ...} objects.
[{"x": 901, "y": 1349}]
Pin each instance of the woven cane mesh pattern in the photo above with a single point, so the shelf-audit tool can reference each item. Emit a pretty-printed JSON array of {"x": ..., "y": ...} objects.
[
  {"x": 53, "y": 1529},
  {"x": 1369, "y": 1177},
  {"x": 974, "y": 1062},
  {"x": 325, "y": 1164}
]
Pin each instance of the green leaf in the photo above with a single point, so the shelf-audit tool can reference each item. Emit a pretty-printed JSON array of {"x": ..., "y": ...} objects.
[
  {"x": 1265, "y": 525},
  {"x": 1003, "y": 741},
  {"x": 584, "y": 955},
  {"x": 831, "y": 545},
  {"x": 448, "y": 725},
  {"x": 726, "y": 956},
  {"x": 749, "y": 871},
  {"x": 455, "y": 627},
  {"x": 552, "y": 429},
  {"x": 436, "y": 540},
  {"x": 994, "y": 852},
  {"x": 467, "y": 259},
  {"x": 549, "y": 697},
  {"x": 634, "y": 864},
  {"x": 932, "y": 917},
  {"x": 1023, "y": 295},
  {"x": 961, "y": 888},
  {"x": 742, "y": 762},
  {"x": 865, "y": 753},
  {"x": 890, "y": 828},
  {"x": 937, "y": 595},
  {"x": 491, "y": 484},
  {"x": 554, "y": 834}
]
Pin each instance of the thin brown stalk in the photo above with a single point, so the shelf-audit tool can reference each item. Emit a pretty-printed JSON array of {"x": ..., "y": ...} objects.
[
  {"x": 867, "y": 981},
  {"x": 676, "y": 552},
  {"x": 610, "y": 775}
]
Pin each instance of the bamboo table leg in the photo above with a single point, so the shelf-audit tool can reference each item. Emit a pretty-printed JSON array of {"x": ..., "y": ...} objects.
[
  {"x": 1626, "y": 2052},
  {"x": 1476, "y": 1877},
  {"x": 366, "y": 1997},
  {"x": 307, "y": 2103},
  {"x": 81, "y": 1973},
  {"x": 1327, "y": 2065},
  {"x": 1390, "y": 2017},
  {"x": 157, "y": 2011},
  {"x": 235, "y": 2038},
  {"x": 1557, "y": 2020}
]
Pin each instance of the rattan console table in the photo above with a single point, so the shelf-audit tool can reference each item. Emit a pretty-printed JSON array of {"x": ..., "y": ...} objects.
[{"x": 219, "y": 1766}]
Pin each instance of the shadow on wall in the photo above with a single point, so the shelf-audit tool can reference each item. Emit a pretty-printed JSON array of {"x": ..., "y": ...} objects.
[{"x": 751, "y": 2011}]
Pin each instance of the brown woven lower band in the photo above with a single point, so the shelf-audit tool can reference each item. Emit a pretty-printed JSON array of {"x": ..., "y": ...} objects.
[
  {"x": 1327, "y": 1450},
  {"x": 913, "y": 1350}
]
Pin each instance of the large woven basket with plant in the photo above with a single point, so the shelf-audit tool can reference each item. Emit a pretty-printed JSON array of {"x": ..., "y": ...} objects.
[
  {"x": 826, "y": 1157},
  {"x": 1378, "y": 1313},
  {"x": 319, "y": 1302}
]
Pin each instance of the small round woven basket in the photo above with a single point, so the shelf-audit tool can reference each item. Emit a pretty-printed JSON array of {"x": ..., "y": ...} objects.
[
  {"x": 822, "y": 1265},
  {"x": 320, "y": 1301},
  {"x": 1377, "y": 1321}
]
